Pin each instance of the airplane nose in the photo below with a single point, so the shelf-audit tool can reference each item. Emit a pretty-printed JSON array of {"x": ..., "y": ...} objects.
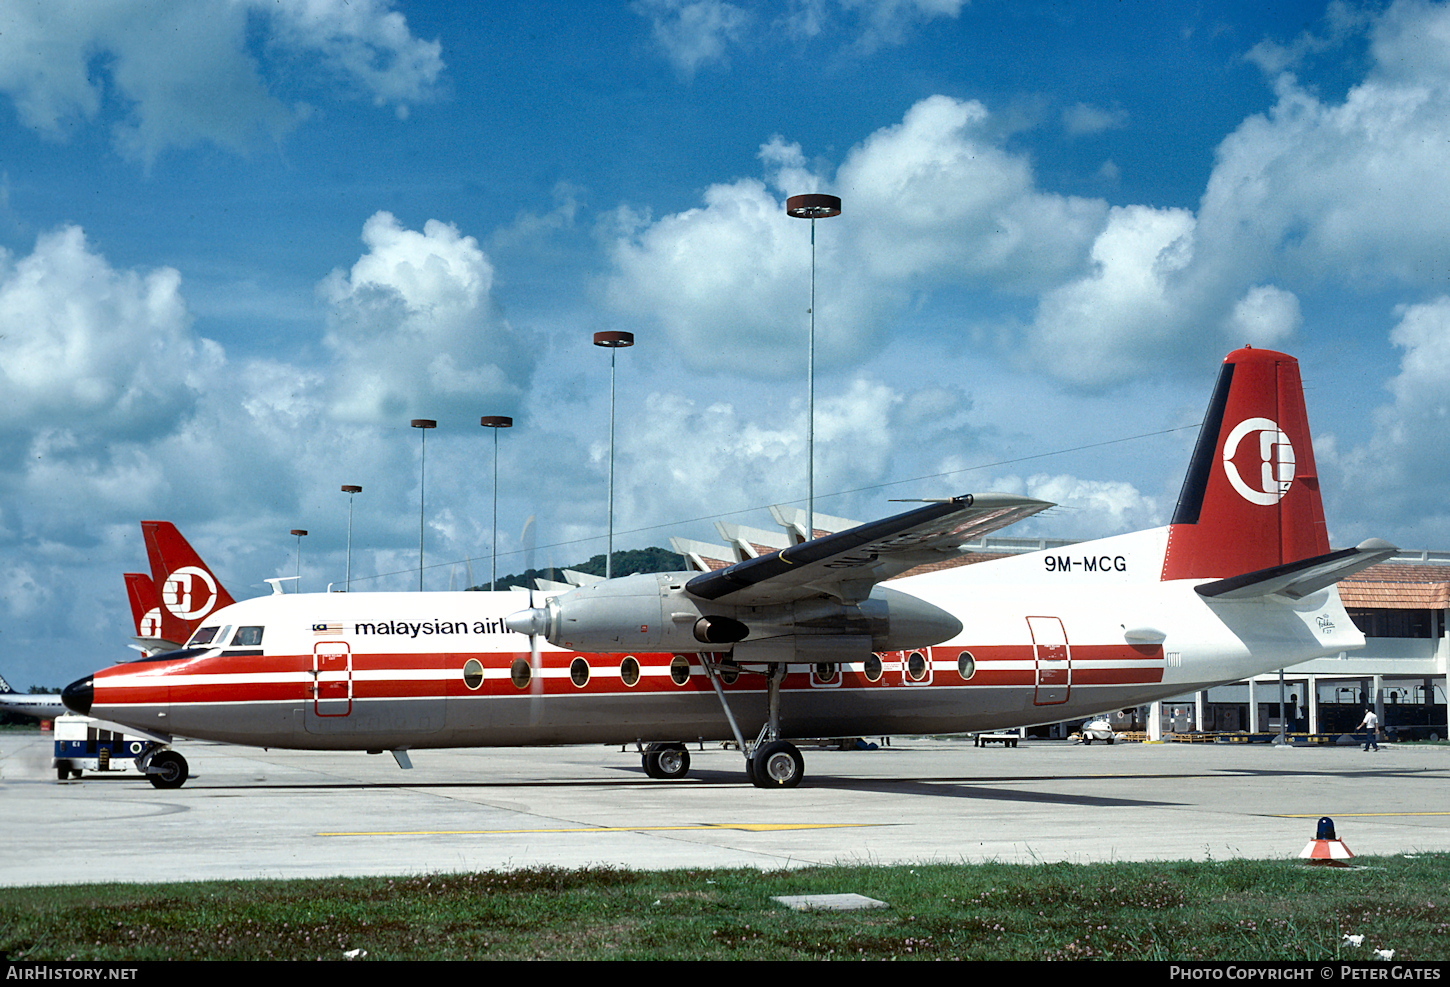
[{"x": 79, "y": 694}]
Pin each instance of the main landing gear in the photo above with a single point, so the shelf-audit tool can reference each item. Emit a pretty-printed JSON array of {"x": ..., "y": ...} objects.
[
  {"x": 769, "y": 763},
  {"x": 775, "y": 764}
]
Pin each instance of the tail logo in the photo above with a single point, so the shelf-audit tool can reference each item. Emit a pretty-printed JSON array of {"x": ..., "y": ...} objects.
[
  {"x": 189, "y": 592},
  {"x": 150, "y": 625},
  {"x": 1276, "y": 462}
]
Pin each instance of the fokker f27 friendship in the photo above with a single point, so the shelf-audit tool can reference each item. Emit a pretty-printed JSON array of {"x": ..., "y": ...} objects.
[{"x": 805, "y": 642}]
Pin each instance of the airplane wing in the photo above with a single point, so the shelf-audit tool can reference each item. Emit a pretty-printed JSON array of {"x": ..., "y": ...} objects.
[
  {"x": 845, "y": 565},
  {"x": 1297, "y": 580}
]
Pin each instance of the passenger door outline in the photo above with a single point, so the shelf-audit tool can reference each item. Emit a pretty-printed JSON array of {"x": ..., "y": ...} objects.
[
  {"x": 1053, "y": 661},
  {"x": 332, "y": 678}
]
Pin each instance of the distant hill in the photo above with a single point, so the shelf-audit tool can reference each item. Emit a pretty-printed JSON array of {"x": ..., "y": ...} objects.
[{"x": 625, "y": 564}]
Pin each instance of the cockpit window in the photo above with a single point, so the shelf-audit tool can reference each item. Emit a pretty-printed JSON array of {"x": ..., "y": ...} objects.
[
  {"x": 247, "y": 637},
  {"x": 202, "y": 637}
]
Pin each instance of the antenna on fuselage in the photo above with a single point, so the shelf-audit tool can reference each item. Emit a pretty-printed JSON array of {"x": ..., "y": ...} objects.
[{"x": 276, "y": 584}]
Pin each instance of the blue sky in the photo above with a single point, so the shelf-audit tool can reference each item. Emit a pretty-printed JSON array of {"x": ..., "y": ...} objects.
[{"x": 245, "y": 242}]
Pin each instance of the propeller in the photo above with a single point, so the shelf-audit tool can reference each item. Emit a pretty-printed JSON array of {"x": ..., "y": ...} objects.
[
  {"x": 540, "y": 624},
  {"x": 535, "y": 623},
  {"x": 536, "y": 675}
]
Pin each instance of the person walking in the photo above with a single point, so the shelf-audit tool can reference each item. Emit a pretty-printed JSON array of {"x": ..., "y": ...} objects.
[{"x": 1371, "y": 724}]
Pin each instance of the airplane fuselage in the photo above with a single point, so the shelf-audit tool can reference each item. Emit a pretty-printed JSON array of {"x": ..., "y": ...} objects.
[
  {"x": 42, "y": 706},
  {"x": 1046, "y": 637}
]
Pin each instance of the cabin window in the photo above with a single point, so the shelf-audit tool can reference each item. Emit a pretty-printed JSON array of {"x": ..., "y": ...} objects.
[
  {"x": 966, "y": 665},
  {"x": 520, "y": 673},
  {"x": 680, "y": 669},
  {"x": 629, "y": 671},
  {"x": 728, "y": 671},
  {"x": 473, "y": 673},
  {"x": 824, "y": 672},
  {"x": 203, "y": 637},
  {"x": 579, "y": 672},
  {"x": 873, "y": 668},
  {"x": 916, "y": 666},
  {"x": 247, "y": 637}
]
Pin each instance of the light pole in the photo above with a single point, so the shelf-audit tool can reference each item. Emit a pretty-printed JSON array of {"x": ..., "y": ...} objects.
[
  {"x": 612, "y": 340},
  {"x": 813, "y": 207},
  {"x": 350, "y": 489},
  {"x": 299, "y": 532},
  {"x": 495, "y": 422},
  {"x": 424, "y": 424}
]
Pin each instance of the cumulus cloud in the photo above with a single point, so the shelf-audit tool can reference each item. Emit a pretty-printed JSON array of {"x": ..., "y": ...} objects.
[
  {"x": 928, "y": 202},
  {"x": 1083, "y": 118},
  {"x": 1341, "y": 21},
  {"x": 86, "y": 345},
  {"x": 414, "y": 331},
  {"x": 728, "y": 283},
  {"x": 724, "y": 456},
  {"x": 871, "y": 23},
  {"x": 1351, "y": 190},
  {"x": 365, "y": 43},
  {"x": 1265, "y": 316},
  {"x": 1397, "y": 469},
  {"x": 1086, "y": 508},
  {"x": 188, "y": 73},
  {"x": 693, "y": 33},
  {"x": 935, "y": 197},
  {"x": 1121, "y": 316},
  {"x": 1348, "y": 191}
]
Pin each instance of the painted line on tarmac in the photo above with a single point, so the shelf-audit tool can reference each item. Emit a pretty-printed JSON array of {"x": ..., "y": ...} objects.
[
  {"x": 744, "y": 827},
  {"x": 1350, "y": 815}
]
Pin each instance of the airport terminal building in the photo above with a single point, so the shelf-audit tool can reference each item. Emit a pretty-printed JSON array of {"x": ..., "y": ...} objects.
[{"x": 1401, "y": 607}]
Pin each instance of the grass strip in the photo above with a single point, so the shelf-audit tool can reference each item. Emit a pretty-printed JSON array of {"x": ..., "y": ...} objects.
[{"x": 1216, "y": 910}]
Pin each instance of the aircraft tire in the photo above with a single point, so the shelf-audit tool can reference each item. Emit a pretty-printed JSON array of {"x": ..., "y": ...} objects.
[
  {"x": 778, "y": 764},
  {"x": 171, "y": 770},
  {"x": 672, "y": 762},
  {"x": 666, "y": 762}
]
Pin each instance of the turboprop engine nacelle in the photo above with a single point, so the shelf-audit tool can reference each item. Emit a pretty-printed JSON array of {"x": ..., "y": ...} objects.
[{"x": 653, "y": 612}]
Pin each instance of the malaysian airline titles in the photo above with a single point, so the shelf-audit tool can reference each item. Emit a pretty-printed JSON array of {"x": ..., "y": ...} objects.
[{"x": 804, "y": 642}]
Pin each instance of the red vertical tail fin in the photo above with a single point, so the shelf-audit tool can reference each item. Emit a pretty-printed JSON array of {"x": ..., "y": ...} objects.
[
  {"x": 1251, "y": 498},
  {"x": 188, "y": 590},
  {"x": 145, "y": 604}
]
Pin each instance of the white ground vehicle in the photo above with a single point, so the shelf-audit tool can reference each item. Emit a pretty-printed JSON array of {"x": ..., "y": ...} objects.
[{"x": 86, "y": 744}]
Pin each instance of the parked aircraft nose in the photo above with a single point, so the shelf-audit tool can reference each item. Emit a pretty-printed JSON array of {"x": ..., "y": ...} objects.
[{"x": 79, "y": 694}]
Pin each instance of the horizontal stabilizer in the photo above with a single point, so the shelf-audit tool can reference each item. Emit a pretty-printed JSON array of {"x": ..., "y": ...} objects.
[{"x": 1297, "y": 580}]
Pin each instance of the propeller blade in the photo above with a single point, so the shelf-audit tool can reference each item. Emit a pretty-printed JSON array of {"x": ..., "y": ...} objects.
[{"x": 536, "y": 678}]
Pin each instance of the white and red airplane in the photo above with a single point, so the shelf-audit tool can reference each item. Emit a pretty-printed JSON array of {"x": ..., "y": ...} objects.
[{"x": 804, "y": 642}]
